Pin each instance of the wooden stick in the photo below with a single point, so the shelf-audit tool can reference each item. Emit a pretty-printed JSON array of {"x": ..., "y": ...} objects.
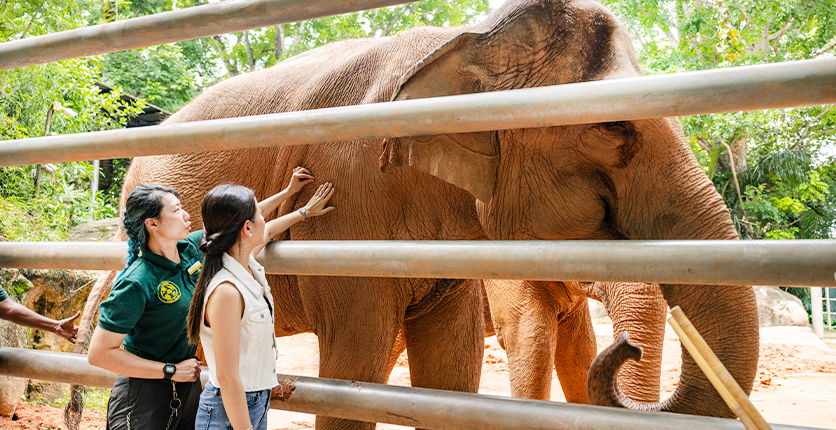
[{"x": 716, "y": 372}]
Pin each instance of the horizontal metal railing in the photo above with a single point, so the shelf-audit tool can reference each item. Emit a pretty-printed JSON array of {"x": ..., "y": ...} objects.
[
  {"x": 414, "y": 407},
  {"x": 184, "y": 24},
  {"x": 784, "y": 262},
  {"x": 799, "y": 83}
]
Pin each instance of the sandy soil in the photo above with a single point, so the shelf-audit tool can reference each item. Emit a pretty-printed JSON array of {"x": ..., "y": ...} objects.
[{"x": 796, "y": 381}]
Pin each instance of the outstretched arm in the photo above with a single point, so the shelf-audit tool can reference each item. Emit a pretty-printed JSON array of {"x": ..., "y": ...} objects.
[
  {"x": 105, "y": 352},
  {"x": 301, "y": 177},
  {"x": 315, "y": 207},
  {"x": 21, "y": 315}
]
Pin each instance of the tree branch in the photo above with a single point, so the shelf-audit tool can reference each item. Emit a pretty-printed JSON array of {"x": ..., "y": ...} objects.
[
  {"x": 827, "y": 47},
  {"x": 734, "y": 176},
  {"x": 804, "y": 136},
  {"x": 35, "y": 14},
  {"x": 821, "y": 133},
  {"x": 247, "y": 47},
  {"x": 780, "y": 33},
  {"x": 696, "y": 46},
  {"x": 704, "y": 144},
  {"x": 221, "y": 48}
]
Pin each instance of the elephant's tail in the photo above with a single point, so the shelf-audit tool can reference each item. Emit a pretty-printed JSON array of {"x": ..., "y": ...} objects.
[{"x": 73, "y": 410}]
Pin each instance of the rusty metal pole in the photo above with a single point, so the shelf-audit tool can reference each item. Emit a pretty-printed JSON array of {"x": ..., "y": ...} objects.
[
  {"x": 183, "y": 24},
  {"x": 414, "y": 407},
  {"x": 799, "y": 83},
  {"x": 714, "y": 262}
]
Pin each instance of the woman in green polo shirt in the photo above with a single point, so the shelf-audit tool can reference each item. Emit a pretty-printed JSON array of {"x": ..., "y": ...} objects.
[{"x": 146, "y": 311}]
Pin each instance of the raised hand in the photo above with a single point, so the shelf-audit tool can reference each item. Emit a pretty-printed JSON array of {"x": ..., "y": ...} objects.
[
  {"x": 66, "y": 329},
  {"x": 316, "y": 205},
  {"x": 301, "y": 177}
]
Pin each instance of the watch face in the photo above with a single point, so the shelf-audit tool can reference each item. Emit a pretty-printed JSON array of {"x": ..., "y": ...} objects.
[{"x": 169, "y": 369}]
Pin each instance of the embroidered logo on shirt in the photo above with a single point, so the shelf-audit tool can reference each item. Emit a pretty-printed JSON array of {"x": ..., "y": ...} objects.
[
  {"x": 194, "y": 268},
  {"x": 168, "y": 292}
]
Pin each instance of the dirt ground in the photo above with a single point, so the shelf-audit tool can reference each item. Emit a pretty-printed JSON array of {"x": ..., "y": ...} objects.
[{"x": 796, "y": 381}]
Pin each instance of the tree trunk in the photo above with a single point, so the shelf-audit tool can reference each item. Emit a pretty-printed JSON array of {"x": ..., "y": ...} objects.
[{"x": 278, "y": 45}]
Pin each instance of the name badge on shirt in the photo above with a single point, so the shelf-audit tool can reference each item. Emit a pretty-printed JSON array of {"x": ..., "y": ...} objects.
[{"x": 194, "y": 267}]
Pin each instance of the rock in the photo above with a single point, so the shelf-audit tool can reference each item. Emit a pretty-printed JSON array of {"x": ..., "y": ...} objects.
[
  {"x": 779, "y": 308},
  {"x": 95, "y": 230},
  {"x": 56, "y": 294}
]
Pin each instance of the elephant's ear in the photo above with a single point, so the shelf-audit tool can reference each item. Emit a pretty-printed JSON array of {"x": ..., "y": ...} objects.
[{"x": 467, "y": 160}]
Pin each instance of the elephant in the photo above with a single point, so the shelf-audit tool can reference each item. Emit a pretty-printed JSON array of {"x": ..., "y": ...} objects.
[
  {"x": 545, "y": 323},
  {"x": 617, "y": 180}
]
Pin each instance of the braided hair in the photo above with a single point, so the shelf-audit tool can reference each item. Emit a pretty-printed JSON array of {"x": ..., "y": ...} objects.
[
  {"x": 225, "y": 210},
  {"x": 144, "y": 202}
]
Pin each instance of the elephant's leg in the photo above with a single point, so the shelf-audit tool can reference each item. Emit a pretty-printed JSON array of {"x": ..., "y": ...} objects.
[
  {"x": 575, "y": 350},
  {"x": 356, "y": 321},
  {"x": 445, "y": 345},
  {"x": 641, "y": 310},
  {"x": 525, "y": 327}
]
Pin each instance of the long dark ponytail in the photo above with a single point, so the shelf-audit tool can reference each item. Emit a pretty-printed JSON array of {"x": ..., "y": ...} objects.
[
  {"x": 144, "y": 202},
  {"x": 225, "y": 210}
]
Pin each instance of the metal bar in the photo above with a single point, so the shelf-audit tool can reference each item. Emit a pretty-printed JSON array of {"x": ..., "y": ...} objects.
[
  {"x": 809, "y": 82},
  {"x": 53, "y": 366},
  {"x": 423, "y": 408},
  {"x": 184, "y": 24},
  {"x": 784, "y": 262},
  {"x": 435, "y": 409}
]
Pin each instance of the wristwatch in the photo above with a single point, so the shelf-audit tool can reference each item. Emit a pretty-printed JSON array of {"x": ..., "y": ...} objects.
[
  {"x": 168, "y": 371},
  {"x": 304, "y": 213}
]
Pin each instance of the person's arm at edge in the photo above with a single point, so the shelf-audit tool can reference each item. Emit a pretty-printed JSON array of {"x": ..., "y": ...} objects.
[
  {"x": 224, "y": 310},
  {"x": 21, "y": 315}
]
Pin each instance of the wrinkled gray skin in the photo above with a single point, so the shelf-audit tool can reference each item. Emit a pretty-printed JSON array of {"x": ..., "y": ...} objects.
[{"x": 625, "y": 180}]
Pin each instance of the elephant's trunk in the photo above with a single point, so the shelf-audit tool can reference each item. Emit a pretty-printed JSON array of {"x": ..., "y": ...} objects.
[{"x": 726, "y": 316}]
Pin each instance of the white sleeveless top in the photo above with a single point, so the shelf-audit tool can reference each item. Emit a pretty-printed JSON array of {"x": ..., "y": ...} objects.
[{"x": 257, "y": 343}]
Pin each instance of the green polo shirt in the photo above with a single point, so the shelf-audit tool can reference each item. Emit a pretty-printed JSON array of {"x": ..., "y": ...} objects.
[{"x": 150, "y": 303}]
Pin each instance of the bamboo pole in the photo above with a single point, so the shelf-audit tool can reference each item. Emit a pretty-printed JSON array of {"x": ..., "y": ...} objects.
[{"x": 716, "y": 372}]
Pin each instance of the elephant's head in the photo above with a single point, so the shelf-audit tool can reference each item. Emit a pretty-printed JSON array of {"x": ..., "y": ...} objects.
[{"x": 620, "y": 180}]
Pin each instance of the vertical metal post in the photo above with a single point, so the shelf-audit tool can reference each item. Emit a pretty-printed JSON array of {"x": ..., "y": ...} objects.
[{"x": 816, "y": 305}]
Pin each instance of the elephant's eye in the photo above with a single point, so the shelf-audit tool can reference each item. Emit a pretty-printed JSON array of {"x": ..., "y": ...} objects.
[{"x": 621, "y": 128}]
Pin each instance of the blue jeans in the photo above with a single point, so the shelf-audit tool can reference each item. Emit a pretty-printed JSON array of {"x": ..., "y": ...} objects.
[{"x": 212, "y": 416}]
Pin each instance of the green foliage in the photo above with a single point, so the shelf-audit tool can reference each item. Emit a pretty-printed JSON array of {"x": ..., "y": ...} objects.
[
  {"x": 63, "y": 200},
  {"x": 63, "y": 197},
  {"x": 786, "y": 183},
  {"x": 158, "y": 74}
]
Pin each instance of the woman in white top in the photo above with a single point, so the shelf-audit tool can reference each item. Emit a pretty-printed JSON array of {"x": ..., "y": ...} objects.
[{"x": 231, "y": 311}]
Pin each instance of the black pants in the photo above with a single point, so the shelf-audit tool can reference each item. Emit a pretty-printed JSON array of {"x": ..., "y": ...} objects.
[{"x": 146, "y": 402}]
